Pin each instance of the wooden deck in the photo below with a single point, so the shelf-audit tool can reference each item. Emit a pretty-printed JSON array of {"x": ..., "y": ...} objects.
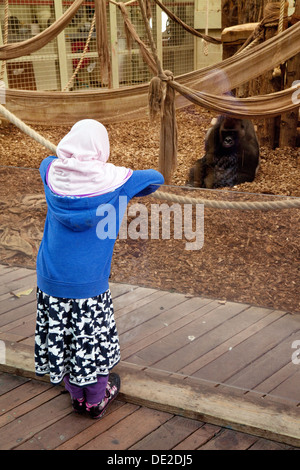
[{"x": 196, "y": 374}]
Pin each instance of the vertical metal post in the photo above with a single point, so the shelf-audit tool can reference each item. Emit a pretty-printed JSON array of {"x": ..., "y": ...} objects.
[
  {"x": 61, "y": 46},
  {"x": 114, "y": 45},
  {"x": 159, "y": 43}
]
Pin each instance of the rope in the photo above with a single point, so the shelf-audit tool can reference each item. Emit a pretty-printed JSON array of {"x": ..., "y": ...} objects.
[
  {"x": 187, "y": 28},
  {"x": 240, "y": 205},
  {"x": 83, "y": 54},
  {"x": 161, "y": 74},
  {"x": 277, "y": 71},
  {"x": 205, "y": 46},
  {"x": 250, "y": 45},
  {"x": 281, "y": 16},
  {"x": 26, "y": 129}
]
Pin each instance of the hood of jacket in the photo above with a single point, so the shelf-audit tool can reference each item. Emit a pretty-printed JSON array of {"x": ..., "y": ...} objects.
[{"x": 78, "y": 213}]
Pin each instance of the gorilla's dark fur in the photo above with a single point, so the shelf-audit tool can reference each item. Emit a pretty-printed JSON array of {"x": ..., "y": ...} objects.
[{"x": 231, "y": 155}]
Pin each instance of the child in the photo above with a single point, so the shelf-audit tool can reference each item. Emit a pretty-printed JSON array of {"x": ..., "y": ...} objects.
[{"x": 76, "y": 337}]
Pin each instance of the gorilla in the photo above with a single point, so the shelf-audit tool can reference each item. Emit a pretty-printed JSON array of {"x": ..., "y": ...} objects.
[{"x": 231, "y": 155}]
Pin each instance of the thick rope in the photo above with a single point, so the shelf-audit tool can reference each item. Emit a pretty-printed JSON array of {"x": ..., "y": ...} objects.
[
  {"x": 83, "y": 54},
  {"x": 26, "y": 129},
  {"x": 205, "y": 46},
  {"x": 255, "y": 205},
  {"x": 239, "y": 205},
  {"x": 187, "y": 28},
  {"x": 250, "y": 45},
  {"x": 281, "y": 16},
  {"x": 161, "y": 74}
]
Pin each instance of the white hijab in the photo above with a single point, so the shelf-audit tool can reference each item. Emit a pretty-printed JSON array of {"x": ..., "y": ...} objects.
[{"x": 81, "y": 168}]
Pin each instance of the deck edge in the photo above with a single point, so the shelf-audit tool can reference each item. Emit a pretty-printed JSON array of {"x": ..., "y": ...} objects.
[{"x": 191, "y": 399}]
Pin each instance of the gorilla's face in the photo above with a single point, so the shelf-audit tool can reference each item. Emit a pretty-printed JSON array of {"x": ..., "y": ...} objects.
[
  {"x": 229, "y": 139},
  {"x": 231, "y": 132}
]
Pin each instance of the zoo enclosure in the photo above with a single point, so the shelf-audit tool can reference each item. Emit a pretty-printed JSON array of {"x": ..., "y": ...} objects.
[{"x": 51, "y": 67}]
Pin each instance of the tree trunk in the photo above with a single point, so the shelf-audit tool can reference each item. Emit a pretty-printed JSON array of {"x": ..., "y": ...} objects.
[
  {"x": 251, "y": 12},
  {"x": 289, "y": 121},
  {"x": 272, "y": 131},
  {"x": 242, "y": 11},
  {"x": 229, "y": 13},
  {"x": 268, "y": 129}
]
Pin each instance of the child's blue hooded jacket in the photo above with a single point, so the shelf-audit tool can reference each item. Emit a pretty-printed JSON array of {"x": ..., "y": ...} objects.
[{"x": 74, "y": 258}]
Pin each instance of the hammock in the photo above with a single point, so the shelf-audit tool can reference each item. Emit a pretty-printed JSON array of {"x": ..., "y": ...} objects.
[{"x": 19, "y": 49}]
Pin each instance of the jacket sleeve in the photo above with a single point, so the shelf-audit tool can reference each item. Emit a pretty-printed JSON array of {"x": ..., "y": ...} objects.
[
  {"x": 44, "y": 167},
  {"x": 143, "y": 183}
]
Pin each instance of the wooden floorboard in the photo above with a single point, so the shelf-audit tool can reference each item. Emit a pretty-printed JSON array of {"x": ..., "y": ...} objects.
[
  {"x": 38, "y": 416},
  {"x": 222, "y": 345}
]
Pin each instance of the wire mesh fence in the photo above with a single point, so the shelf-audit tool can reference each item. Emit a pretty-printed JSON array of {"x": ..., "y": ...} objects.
[{"x": 53, "y": 66}]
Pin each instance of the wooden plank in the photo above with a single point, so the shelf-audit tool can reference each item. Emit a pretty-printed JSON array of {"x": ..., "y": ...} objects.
[
  {"x": 6, "y": 269},
  {"x": 57, "y": 435},
  {"x": 8, "y": 383},
  {"x": 244, "y": 353},
  {"x": 118, "y": 289},
  {"x": 11, "y": 337},
  {"x": 18, "y": 285},
  {"x": 12, "y": 302},
  {"x": 17, "y": 314},
  {"x": 17, "y": 358},
  {"x": 227, "y": 337},
  {"x": 5, "y": 296},
  {"x": 242, "y": 413},
  {"x": 10, "y": 275},
  {"x": 12, "y": 434},
  {"x": 28, "y": 341},
  {"x": 127, "y": 433},
  {"x": 191, "y": 399},
  {"x": 116, "y": 415},
  {"x": 44, "y": 395},
  {"x": 228, "y": 439},
  {"x": 198, "y": 438},
  {"x": 128, "y": 299},
  {"x": 237, "y": 34},
  {"x": 23, "y": 390},
  {"x": 264, "y": 444},
  {"x": 150, "y": 310},
  {"x": 272, "y": 364},
  {"x": 276, "y": 378},
  {"x": 168, "y": 434},
  {"x": 68, "y": 430},
  {"x": 197, "y": 401},
  {"x": 165, "y": 324},
  {"x": 136, "y": 303},
  {"x": 164, "y": 353},
  {"x": 289, "y": 388},
  {"x": 22, "y": 328}
]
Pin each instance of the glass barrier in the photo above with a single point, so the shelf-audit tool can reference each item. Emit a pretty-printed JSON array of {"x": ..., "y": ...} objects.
[
  {"x": 23, "y": 211},
  {"x": 205, "y": 283}
]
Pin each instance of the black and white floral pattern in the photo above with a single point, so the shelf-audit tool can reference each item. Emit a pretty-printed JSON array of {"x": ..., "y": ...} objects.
[{"x": 76, "y": 337}]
